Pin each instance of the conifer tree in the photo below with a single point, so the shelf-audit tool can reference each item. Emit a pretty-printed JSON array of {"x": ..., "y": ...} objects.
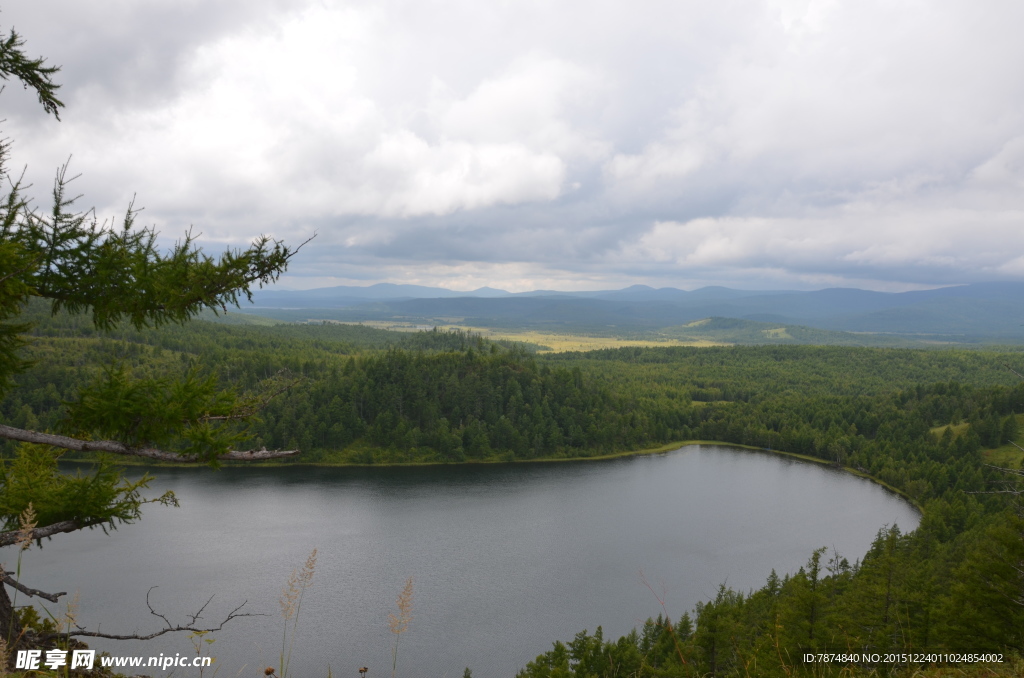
[{"x": 69, "y": 260}]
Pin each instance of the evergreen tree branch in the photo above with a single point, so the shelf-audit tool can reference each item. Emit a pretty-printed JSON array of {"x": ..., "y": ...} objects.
[
  {"x": 68, "y": 443},
  {"x": 33, "y": 73}
]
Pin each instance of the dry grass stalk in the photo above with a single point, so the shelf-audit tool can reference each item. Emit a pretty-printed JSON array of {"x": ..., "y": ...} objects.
[
  {"x": 400, "y": 623},
  {"x": 299, "y": 581},
  {"x": 291, "y": 604},
  {"x": 27, "y": 522},
  {"x": 71, "y": 613}
]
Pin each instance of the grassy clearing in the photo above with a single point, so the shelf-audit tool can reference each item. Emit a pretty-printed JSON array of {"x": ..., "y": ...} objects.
[
  {"x": 560, "y": 343},
  {"x": 1008, "y": 456},
  {"x": 553, "y": 342},
  {"x": 777, "y": 333},
  {"x": 233, "y": 317},
  {"x": 958, "y": 429},
  {"x": 393, "y": 325}
]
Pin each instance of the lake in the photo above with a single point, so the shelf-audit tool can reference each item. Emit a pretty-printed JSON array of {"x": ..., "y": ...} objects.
[{"x": 505, "y": 558}]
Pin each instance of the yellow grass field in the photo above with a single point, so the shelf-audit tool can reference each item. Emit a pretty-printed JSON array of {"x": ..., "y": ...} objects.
[{"x": 557, "y": 343}]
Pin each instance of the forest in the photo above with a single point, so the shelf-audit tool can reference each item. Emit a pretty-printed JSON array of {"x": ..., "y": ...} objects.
[{"x": 933, "y": 425}]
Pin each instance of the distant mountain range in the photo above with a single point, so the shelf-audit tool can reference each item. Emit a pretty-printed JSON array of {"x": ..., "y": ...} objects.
[
  {"x": 994, "y": 311},
  {"x": 344, "y": 296}
]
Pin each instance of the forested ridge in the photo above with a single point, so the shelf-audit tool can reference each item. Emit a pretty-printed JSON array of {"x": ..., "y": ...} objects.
[
  {"x": 449, "y": 396},
  {"x": 917, "y": 420}
]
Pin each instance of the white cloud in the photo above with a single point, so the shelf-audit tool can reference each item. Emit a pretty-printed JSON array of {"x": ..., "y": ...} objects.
[
  {"x": 540, "y": 101},
  {"x": 448, "y": 176},
  {"x": 800, "y": 140},
  {"x": 864, "y": 237},
  {"x": 1004, "y": 170},
  {"x": 283, "y": 122},
  {"x": 879, "y": 89}
]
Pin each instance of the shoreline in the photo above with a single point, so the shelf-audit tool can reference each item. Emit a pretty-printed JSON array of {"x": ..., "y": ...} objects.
[{"x": 662, "y": 449}]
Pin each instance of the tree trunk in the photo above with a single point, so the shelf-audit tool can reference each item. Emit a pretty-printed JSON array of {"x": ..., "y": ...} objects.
[{"x": 10, "y": 628}]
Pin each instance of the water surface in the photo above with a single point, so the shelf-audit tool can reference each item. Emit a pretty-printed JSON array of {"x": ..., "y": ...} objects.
[{"x": 505, "y": 558}]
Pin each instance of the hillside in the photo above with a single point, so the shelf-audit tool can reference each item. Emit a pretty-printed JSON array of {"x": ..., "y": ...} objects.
[{"x": 969, "y": 314}]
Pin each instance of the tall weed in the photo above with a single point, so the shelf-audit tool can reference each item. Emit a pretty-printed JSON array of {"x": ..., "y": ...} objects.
[
  {"x": 291, "y": 605},
  {"x": 400, "y": 624}
]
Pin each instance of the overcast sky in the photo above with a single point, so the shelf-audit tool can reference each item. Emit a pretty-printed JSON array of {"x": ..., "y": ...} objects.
[{"x": 785, "y": 144}]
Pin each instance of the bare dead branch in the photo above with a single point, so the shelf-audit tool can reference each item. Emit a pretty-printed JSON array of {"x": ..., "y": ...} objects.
[
  {"x": 1016, "y": 492},
  {"x": 168, "y": 628},
  {"x": 157, "y": 614},
  {"x": 36, "y": 593},
  {"x": 115, "y": 447},
  {"x": 1012, "y": 471},
  {"x": 195, "y": 617},
  {"x": 1013, "y": 370}
]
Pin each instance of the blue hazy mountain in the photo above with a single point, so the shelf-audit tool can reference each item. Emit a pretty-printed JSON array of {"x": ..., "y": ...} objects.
[{"x": 984, "y": 309}]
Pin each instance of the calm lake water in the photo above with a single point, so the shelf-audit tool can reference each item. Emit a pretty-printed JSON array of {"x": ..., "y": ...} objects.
[{"x": 506, "y": 558}]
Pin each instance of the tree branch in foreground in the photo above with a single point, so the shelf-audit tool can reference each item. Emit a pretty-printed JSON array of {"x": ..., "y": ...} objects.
[
  {"x": 14, "y": 584},
  {"x": 16, "y": 536},
  {"x": 170, "y": 628},
  {"x": 115, "y": 447}
]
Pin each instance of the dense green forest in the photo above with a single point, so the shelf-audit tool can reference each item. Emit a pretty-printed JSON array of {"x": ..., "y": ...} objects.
[{"x": 917, "y": 420}]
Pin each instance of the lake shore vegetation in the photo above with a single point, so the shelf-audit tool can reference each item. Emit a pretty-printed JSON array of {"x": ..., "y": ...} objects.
[{"x": 931, "y": 424}]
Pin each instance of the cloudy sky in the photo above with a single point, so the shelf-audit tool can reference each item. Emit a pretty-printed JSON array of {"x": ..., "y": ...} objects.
[{"x": 793, "y": 144}]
